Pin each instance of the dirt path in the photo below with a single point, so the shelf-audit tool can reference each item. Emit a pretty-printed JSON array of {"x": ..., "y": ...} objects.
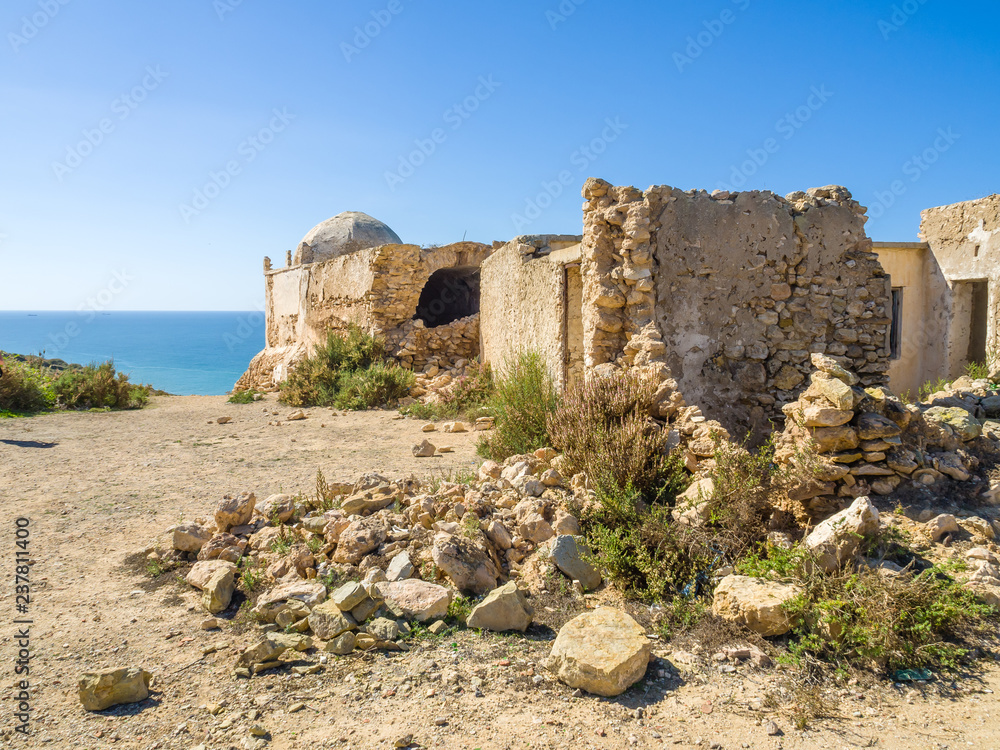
[{"x": 99, "y": 487}]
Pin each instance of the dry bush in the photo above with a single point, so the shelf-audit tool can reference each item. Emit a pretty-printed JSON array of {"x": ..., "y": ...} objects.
[
  {"x": 99, "y": 387},
  {"x": 604, "y": 429},
  {"x": 525, "y": 396}
]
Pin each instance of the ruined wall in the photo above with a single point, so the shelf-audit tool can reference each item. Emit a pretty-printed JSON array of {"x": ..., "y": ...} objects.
[
  {"x": 376, "y": 288},
  {"x": 965, "y": 241},
  {"x": 732, "y": 291},
  {"x": 523, "y": 307}
]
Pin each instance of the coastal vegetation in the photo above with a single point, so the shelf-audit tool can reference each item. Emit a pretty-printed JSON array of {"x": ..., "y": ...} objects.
[
  {"x": 30, "y": 385},
  {"x": 347, "y": 372}
]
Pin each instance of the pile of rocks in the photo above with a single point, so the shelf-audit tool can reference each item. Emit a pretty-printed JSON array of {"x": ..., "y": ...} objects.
[
  {"x": 869, "y": 442},
  {"x": 410, "y": 548}
]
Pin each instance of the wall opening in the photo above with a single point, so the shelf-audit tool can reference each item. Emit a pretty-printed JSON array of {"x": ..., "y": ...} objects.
[
  {"x": 896, "y": 330},
  {"x": 574, "y": 325},
  {"x": 978, "y": 323},
  {"x": 448, "y": 295}
]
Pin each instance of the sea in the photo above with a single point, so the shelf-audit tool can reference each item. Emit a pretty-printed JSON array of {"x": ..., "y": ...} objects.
[{"x": 183, "y": 353}]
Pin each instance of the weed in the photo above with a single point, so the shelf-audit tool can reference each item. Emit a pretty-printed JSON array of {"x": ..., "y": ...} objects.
[
  {"x": 468, "y": 397},
  {"x": 771, "y": 561},
  {"x": 281, "y": 546},
  {"x": 315, "y": 544},
  {"x": 525, "y": 397},
  {"x": 932, "y": 386},
  {"x": 248, "y": 396},
  {"x": 251, "y": 577},
  {"x": 460, "y": 608},
  {"x": 155, "y": 568},
  {"x": 326, "y": 497}
]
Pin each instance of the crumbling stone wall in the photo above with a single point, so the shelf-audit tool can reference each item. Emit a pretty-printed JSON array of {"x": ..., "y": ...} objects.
[
  {"x": 376, "y": 288},
  {"x": 732, "y": 291}
]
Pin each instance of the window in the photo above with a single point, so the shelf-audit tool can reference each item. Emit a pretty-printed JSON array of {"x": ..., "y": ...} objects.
[{"x": 895, "y": 329}]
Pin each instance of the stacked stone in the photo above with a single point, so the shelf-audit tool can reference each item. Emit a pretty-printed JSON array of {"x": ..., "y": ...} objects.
[
  {"x": 618, "y": 272},
  {"x": 421, "y": 348},
  {"x": 867, "y": 441}
]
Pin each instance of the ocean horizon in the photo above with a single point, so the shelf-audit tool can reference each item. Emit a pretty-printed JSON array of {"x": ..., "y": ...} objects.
[{"x": 182, "y": 352}]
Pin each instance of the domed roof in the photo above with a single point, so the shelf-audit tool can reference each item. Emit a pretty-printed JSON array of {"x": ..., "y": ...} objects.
[{"x": 343, "y": 234}]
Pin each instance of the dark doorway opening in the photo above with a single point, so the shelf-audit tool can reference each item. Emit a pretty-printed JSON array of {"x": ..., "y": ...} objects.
[
  {"x": 449, "y": 294},
  {"x": 978, "y": 323},
  {"x": 896, "y": 329}
]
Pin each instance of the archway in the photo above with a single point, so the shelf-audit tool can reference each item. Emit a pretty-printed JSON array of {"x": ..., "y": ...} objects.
[{"x": 448, "y": 295}]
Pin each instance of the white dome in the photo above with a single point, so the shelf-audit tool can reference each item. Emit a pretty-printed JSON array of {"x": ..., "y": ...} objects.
[{"x": 343, "y": 234}]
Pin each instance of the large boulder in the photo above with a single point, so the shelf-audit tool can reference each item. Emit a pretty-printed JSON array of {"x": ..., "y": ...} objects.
[
  {"x": 219, "y": 589},
  {"x": 223, "y": 547},
  {"x": 112, "y": 687},
  {"x": 190, "y": 537},
  {"x": 416, "y": 599},
  {"x": 234, "y": 511},
  {"x": 328, "y": 621},
  {"x": 603, "y": 652},
  {"x": 837, "y": 539},
  {"x": 570, "y": 554},
  {"x": 369, "y": 501},
  {"x": 469, "y": 567},
  {"x": 965, "y": 426},
  {"x": 270, "y": 647},
  {"x": 276, "y": 507},
  {"x": 757, "y": 604},
  {"x": 504, "y": 608},
  {"x": 358, "y": 539},
  {"x": 309, "y": 593}
]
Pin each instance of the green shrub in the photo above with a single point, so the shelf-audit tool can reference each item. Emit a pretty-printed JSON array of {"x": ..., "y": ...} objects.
[
  {"x": 349, "y": 372},
  {"x": 604, "y": 429},
  {"x": 524, "y": 398},
  {"x": 932, "y": 386},
  {"x": 25, "y": 389},
  {"x": 248, "y": 396},
  {"x": 375, "y": 385},
  {"x": 98, "y": 386}
]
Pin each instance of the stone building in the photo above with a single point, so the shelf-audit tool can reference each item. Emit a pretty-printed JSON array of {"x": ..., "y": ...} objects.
[
  {"x": 729, "y": 293},
  {"x": 944, "y": 293},
  {"x": 354, "y": 269}
]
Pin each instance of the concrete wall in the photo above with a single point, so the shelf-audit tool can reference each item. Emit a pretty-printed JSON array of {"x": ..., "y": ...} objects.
[
  {"x": 733, "y": 292},
  {"x": 965, "y": 241}
]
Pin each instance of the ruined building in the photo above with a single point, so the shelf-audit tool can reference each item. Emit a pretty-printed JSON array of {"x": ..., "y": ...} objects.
[{"x": 729, "y": 292}]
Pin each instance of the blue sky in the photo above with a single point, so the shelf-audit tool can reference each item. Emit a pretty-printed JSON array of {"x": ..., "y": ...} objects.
[{"x": 153, "y": 153}]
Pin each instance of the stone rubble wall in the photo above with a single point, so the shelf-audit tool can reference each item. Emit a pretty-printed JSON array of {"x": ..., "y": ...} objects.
[
  {"x": 732, "y": 291},
  {"x": 848, "y": 441}
]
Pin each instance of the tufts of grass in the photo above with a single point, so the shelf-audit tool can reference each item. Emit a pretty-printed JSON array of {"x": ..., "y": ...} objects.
[
  {"x": 248, "y": 396},
  {"x": 468, "y": 399}
]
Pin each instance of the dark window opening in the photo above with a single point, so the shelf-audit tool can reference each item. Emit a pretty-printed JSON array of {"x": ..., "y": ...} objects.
[
  {"x": 896, "y": 329},
  {"x": 975, "y": 252},
  {"x": 979, "y": 318},
  {"x": 448, "y": 295}
]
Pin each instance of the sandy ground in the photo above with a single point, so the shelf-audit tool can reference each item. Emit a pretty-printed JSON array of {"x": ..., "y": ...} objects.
[{"x": 99, "y": 487}]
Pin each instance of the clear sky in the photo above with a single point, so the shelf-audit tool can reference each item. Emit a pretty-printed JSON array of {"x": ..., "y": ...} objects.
[{"x": 154, "y": 152}]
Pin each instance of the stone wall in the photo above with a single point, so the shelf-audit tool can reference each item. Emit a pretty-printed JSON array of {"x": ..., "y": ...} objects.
[
  {"x": 732, "y": 291},
  {"x": 525, "y": 298},
  {"x": 376, "y": 288}
]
